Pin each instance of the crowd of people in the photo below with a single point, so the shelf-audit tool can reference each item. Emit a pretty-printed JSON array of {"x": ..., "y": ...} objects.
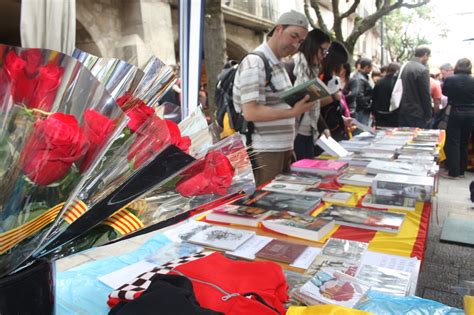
[{"x": 297, "y": 55}]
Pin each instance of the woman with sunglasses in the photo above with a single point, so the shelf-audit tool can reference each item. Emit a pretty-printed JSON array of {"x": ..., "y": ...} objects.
[{"x": 307, "y": 64}]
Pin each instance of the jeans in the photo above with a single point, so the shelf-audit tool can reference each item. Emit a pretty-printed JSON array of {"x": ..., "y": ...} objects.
[{"x": 460, "y": 124}]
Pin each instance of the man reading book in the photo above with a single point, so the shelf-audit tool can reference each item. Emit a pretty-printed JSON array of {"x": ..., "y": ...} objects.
[{"x": 274, "y": 120}]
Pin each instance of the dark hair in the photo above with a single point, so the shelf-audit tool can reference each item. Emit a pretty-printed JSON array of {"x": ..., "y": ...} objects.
[
  {"x": 364, "y": 62},
  {"x": 347, "y": 68},
  {"x": 446, "y": 66},
  {"x": 312, "y": 44},
  {"x": 375, "y": 73},
  {"x": 337, "y": 56},
  {"x": 422, "y": 50},
  {"x": 383, "y": 69},
  {"x": 392, "y": 68},
  {"x": 463, "y": 66}
]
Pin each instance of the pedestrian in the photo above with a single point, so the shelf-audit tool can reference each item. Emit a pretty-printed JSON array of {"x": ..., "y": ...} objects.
[
  {"x": 273, "y": 119},
  {"x": 459, "y": 88},
  {"x": 381, "y": 98}
]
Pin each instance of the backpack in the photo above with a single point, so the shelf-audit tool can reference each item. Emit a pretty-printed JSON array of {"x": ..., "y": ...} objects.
[{"x": 226, "y": 115}]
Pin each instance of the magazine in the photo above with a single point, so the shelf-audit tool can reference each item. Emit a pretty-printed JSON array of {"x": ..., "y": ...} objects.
[
  {"x": 241, "y": 215},
  {"x": 329, "y": 286},
  {"x": 291, "y": 224},
  {"x": 271, "y": 200},
  {"x": 315, "y": 88},
  {"x": 364, "y": 218},
  {"x": 220, "y": 237}
]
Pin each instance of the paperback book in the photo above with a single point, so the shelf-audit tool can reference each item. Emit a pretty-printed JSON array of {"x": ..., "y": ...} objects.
[
  {"x": 331, "y": 146},
  {"x": 270, "y": 200},
  {"x": 377, "y": 220},
  {"x": 385, "y": 280},
  {"x": 338, "y": 196},
  {"x": 221, "y": 238},
  {"x": 240, "y": 215},
  {"x": 419, "y": 187},
  {"x": 315, "y": 88},
  {"x": 332, "y": 287},
  {"x": 389, "y": 202},
  {"x": 281, "y": 251},
  {"x": 321, "y": 167},
  {"x": 299, "y": 178},
  {"x": 291, "y": 224},
  {"x": 356, "y": 179},
  {"x": 297, "y": 189}
]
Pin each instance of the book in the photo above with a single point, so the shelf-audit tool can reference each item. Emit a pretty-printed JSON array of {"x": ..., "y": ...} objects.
[
  {"x": 331, "y": 146},
  {"x": 364, "y": 218},
  {"x": 299, "y": 178},
  {"x": 362, "y": 126},
  {"x": 291, "y": 224},
  {"x": 222, "y": 238},
  {"x": 282, "y": 251},
  {"x": 338, "y": 196},
  {"x": 389, "y": 202},
  {"x": 321, "y": 167},
  {"x": 330, "y": 286},
  {"x": 356, "y": 179},
  {"x": 385, "y": 280},
  {"x": 315, "y": 88},
  {"x": 288, "y": 188},
  {"x": 271, "y": 200},
  {"x": 240, "y": 215},
  {"x": 376, "y": 167},
  {"x": 419, "y": 187}
]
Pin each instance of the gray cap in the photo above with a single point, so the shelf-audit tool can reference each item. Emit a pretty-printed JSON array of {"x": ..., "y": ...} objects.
[{"x": 291, "y": 18}]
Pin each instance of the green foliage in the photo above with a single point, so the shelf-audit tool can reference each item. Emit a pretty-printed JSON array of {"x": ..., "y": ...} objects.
[{"x": 403, "y": 33}]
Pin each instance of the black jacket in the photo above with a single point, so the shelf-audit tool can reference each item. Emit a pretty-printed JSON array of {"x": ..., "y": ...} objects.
[
  {"x": 362, "y": 90},
  {"x": 416, "y": 99},
  {"x": 459, "y": 89},
  {"x": 382, "y": 93}
]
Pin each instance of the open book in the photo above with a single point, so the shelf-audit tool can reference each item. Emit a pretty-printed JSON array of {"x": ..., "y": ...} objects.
[{"x": 315, "y": 88}]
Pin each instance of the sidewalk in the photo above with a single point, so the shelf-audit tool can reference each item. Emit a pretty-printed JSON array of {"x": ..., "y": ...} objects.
[{"x": 445, "y": 265}]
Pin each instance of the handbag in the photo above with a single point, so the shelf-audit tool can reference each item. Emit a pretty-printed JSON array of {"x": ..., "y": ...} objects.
[{"x": 397, "y": 91}]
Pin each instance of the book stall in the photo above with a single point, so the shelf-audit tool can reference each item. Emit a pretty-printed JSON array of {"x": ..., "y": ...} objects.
[{"x": 91, "y": 168}]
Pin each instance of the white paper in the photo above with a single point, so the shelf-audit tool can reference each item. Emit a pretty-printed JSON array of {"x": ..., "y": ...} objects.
[
  {"x": 251, "y": 247},
  {"x": 183, "y": 232},
  {"x": 306, "y": 258},
  {"x": 119, "y": 277},
  {"x": 331, "y": 146},
  {"x": 409, "y": 264}
]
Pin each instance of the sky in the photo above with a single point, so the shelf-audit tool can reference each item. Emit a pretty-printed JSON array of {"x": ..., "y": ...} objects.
[{"x": 457, "y": 16}]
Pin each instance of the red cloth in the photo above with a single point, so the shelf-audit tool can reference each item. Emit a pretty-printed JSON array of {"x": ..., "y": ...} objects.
[{"x": 262, "y": 279}]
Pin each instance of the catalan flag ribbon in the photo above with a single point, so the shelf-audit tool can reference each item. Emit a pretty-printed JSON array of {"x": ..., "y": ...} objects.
[{"x": 124, "y": 222}]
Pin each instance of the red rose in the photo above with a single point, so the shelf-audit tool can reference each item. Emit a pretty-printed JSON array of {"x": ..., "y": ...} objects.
[
  {"x": 33, "y": 60},
  {"x": 175, "y": 136},
  {"x": 22, "y": 86},
  {"x": 213, "y": 175},
  {"x": 54, "y": 145},
  {"x": 138, "y": 116},
  {"x": 97, "y": 129},
  {"x": 47, "y": 83},
  {"x": 151, "y": 138}
]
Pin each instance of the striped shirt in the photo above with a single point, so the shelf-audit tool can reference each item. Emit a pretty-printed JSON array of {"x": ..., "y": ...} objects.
[{"x": 249, "y": 85}]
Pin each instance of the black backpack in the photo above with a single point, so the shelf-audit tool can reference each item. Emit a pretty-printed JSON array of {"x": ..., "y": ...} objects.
[{"x": 224, "y": 97}]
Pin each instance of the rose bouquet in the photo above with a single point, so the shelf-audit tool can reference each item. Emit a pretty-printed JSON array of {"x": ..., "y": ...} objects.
[{"x": 57, "y": 121}]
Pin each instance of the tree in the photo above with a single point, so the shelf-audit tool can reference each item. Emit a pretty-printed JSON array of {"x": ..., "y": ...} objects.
[
  {"x": 361, "y": 24},
  {"x": 214, "y": 48},
  {"x": 402, "y": 35}
]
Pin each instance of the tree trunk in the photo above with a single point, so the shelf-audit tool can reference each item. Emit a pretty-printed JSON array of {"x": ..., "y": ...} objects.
[{"x": 214, "y": 49}]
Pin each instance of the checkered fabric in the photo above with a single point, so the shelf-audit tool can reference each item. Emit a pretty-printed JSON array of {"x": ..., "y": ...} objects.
[{"x": 132, "y": 290}]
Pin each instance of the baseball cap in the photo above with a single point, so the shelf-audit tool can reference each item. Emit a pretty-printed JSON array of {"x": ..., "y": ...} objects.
[{"x": 291, "y": 18}]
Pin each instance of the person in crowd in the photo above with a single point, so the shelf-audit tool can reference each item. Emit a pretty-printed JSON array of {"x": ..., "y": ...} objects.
[
  {"x": 446, "y": 70},
  {"x": 356, "y": 67},
  {"x": 459, "y": 88},
  {"x": 375, "y": 75},
  {"x": 273, "y": 119},
  {"x": 381, "y": 97},
  {"x": 347, "y": 99},
  {"x": 383, "y": 70},
  {"x": 307, "y": 64},
  {"x": 362, "y": 90},
  {"x": 415, "y": 106},
  {"x": 435, "y": 93},
  {"x": 333, "y": 113}
]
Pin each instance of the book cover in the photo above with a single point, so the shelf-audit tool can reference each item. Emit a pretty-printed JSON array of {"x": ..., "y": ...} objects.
[
  {"x": 384, "y": 280},
  {"x": 291, "y": 224},
  {"x": 315, "y": 88},
  {"x": 419, "y": 187},
  {"x": 234, "y": 214},
  {"x": 271, "y": 200},
  {"x": 396, "y": 202},
  {"x": 338, "y": 196},
  {"x": 356, "y": 179},
  {"x": 289, "y": 188},
  {"x": 345, "y": 249},
  {"x": 332, "y": 287},
  {"x": 281, "y": 251},
  {"x": 377, "y": 220},
  {"x": 299, "y": 178},
  {"x": 323, "y": 167},
  {"x": 331, "y": 146},
  {"x": 220, "y": 237}
]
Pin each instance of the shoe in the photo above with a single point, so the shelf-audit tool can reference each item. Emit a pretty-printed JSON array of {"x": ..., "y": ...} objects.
[{"x": 446, "y": 175}]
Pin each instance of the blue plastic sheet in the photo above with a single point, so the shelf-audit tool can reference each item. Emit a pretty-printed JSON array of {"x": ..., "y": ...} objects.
[
  {"x": 379, "y": 303},
  {"x": 79, "y": 292}
]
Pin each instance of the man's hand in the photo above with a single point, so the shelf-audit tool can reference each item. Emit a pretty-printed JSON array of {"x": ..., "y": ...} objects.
[
  {"x": 327, "y": 133},
  {"x": 302, "y": 106}
]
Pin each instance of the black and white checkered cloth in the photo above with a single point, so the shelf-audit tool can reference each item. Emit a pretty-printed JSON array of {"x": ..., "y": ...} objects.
[{"x": 134, "y": 289}]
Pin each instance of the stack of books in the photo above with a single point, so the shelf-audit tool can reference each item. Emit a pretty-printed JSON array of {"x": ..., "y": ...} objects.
[{"x": 320, "y": 167}]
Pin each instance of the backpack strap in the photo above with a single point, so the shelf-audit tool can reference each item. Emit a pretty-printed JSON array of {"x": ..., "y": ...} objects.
[{"x": 268, "y": 69}]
